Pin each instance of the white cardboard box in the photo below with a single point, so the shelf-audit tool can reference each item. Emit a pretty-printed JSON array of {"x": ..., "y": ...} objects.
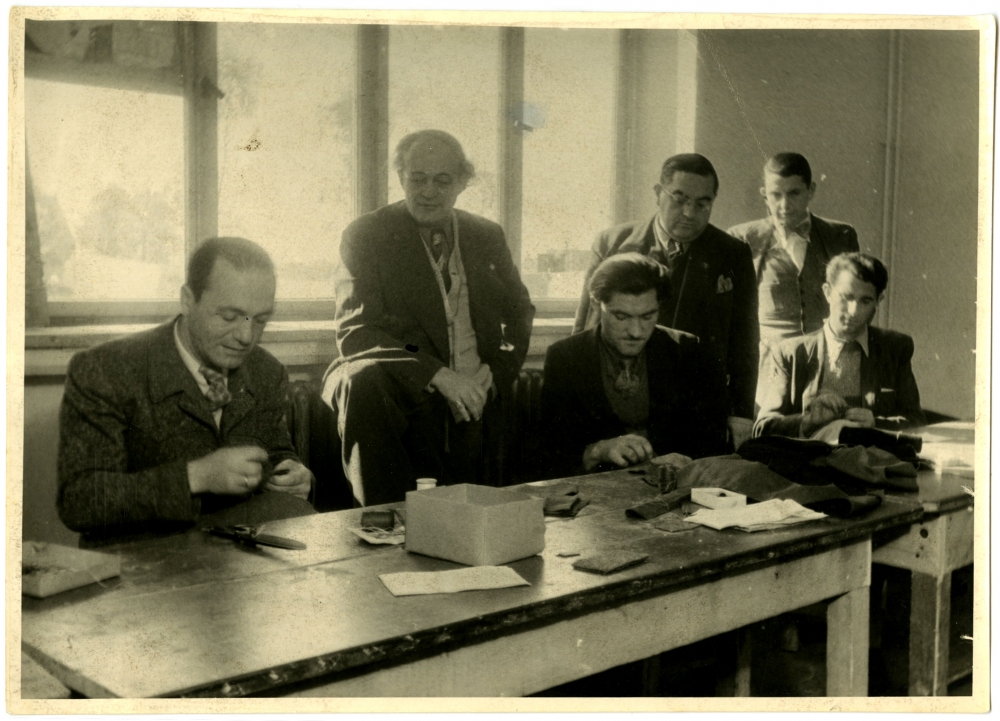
[{"x": 474, "y": 525}]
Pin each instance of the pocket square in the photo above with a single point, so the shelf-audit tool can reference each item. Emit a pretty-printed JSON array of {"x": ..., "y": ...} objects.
[{"x": 723, "y": 284}]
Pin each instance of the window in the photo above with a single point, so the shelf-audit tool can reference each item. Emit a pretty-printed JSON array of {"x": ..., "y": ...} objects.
[
  {"x": 569, "y": 92},
  {"x": 286, "y": 145},
  {"x": 108, "y": 116},
  {"x": 106, "y": 165}
]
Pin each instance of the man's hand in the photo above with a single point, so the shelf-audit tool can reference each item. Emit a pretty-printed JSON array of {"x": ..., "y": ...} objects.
[
  {"x": 740, "y": 430},
  {"x": 227, "y": 471},
  {"x": 823, "y": 410},
  {"x": 622, "y": 451},
  {"x": 466, "y": 395},
  {"x": 290, "y": 476},
  {"x": 862, "y": 417}
]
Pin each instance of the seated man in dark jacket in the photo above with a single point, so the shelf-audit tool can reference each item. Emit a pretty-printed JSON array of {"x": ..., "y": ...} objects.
[
  {"x": 627, "y": 390},
  {"x": 846, "y": 373},
  {"x": 161, "y": 428}
]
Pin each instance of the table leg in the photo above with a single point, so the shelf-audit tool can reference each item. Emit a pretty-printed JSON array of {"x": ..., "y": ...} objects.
[
  {"x": 930, "y": 616},
  {"x": 847, "y": 644},
  {"x": 742, "y": 685}
]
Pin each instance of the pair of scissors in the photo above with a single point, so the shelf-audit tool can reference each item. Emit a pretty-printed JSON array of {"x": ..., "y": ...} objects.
[{"x": 252, "y": 536}]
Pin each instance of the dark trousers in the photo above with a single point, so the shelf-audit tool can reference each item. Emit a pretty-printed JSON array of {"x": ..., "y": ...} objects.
[{"x": 389, "y": 438}]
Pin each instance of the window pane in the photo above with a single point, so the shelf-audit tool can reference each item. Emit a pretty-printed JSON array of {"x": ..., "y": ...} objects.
[
  {"x": 107, "y": 167},
  {"x": 569, "y": 92},
  {"x": 448, "y": 78},
  {"x": 286, "y": 145}
]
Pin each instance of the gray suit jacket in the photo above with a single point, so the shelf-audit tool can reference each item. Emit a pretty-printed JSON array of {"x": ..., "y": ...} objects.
[
  {"x": 790, "y": 378},
  {"x": 132, "y": 418}
]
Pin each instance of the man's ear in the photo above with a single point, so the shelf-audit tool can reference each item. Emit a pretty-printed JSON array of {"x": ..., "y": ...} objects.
[
  {"x": 879, "y": 299},
  {"x": 763, "y": 192},
  {"x": 812, "y": 190},
  {"x": 187, "y": 299},
  {"x": 657, "y": 189},
  {"x": 826, "y": 291}
]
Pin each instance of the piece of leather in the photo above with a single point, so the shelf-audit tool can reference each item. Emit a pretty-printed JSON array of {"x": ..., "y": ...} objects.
[{"x": 607, "y": 562}]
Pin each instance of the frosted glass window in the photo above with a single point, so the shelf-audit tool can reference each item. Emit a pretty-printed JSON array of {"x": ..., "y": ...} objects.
[
  {"x": 286, "y": 145},
  {"x": 107, "y": 170},
  {"x": 569, "y": 92}
]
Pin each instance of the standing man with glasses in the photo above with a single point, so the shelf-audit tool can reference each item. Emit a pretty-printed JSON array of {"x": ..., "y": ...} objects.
[
  {"x": 714, "y": 288},
  {"x": 433, "y": 323}
]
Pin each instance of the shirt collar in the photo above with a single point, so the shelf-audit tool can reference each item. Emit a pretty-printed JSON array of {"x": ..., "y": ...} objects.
[
  {"x": 667, "y": 244},
  {"x": 803, "y": 229},
  {"x": 191, "y": 363},
  {"x": 834, "y": 345}
]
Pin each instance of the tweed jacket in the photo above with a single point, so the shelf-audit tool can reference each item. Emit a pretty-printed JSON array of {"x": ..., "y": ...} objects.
[
  {"x": 791, "y": 377},
  {"x": 827, "y": 238},
  {"x": 390, "y": 309},
  {"x": 713, "y": 296},
  {"x": 132, "y": 418},
  {"x": 687, "y": 410}
]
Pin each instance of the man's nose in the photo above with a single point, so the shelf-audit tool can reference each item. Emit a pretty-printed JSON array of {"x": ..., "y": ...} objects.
[
  {"x": 244, "y": 331},
  {"x": 852, "y": 307},
  {"x": 690, "y": 210},
  {"x": 635, "y": 329}
]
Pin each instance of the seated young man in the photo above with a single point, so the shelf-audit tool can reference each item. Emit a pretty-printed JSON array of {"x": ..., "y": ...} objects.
[
  {"x": 848, "y": 372},
  {"x": 628, "y": 389}
]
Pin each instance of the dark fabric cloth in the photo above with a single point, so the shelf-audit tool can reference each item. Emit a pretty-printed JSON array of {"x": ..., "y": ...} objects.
[
  {"x": 855, "y": 469},
  {"x": 132, "y": 418},
  {"x": 759, "y": 483},
  {"x": 904, "y": 446},
  {"x": 389, "y": 438},
  {"x": 687, "y": 412},
  {"x": 827, "y": 238},
  {"x": 390, "y": 310},
  {"x": 791, "y": 376},
  {"x": 713, "y": 296}
]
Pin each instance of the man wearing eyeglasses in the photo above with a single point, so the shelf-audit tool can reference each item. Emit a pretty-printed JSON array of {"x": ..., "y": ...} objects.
[
  {"x": 432, "y": 322},
  {"x": 714, "y": 288}
]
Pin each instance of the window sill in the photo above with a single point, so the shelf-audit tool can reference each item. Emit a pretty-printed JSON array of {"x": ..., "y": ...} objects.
[{"x": 47, "y": 351}]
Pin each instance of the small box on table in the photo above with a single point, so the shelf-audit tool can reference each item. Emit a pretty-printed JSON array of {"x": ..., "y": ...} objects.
[{"x": 474, "y": 525}]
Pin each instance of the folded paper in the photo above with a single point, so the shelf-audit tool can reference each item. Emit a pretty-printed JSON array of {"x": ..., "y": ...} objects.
[{"x": 477, "y": 578}]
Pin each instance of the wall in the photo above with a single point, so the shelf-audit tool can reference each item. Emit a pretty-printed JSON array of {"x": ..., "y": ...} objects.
[
  {"x": 820, "y": 93},
  {"x": 827, "y": 95},
  {"x": 42, "y": 397},
  {"x": 933, "y": 281}
]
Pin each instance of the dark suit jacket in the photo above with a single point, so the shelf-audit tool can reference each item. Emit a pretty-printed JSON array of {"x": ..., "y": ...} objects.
[
  {"x": 687, "y": 412},
  {"x": 791, "y": 375},
  {"x": 389, "y": 306},
  {"x": 133, "y": 416},
  {"x": 827, "y": 238},
  {"x": 714, "y": 297}
]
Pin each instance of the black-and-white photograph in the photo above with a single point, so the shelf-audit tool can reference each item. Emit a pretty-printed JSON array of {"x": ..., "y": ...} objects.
[{"x": 472, "y": 357}]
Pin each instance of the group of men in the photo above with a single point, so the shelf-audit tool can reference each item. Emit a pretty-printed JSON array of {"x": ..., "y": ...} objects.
[{"x": 676, "y": 321}]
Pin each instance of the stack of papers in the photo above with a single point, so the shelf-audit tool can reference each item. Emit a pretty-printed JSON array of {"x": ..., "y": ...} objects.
[{"x": 756, "y": 517}]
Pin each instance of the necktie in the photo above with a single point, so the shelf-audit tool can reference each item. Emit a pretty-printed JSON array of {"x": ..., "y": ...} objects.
[
  {"x": 674, "y": 253},
  {"x": 218, "y": 395},
  {"x": 627, "y": 382},
  {"x": 439, "y": 249}
]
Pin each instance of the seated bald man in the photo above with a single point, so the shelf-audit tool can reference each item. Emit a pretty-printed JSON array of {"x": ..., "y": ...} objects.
[
  {"x": 628, "y": 389},
  {"x": 848, "y": 372},
  {"x": 163, "y": 427}
]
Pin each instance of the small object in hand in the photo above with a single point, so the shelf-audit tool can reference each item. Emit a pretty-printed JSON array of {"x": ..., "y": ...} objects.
[
  {"x": 610, "y": 561},
  {"x": 252, "y": 536},
  {"x": 383, "y": 520},
  {"x": 666, "y": 479}
]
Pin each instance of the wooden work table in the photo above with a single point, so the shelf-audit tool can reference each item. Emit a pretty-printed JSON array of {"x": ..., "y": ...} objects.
[
  {"x": 931, "y": 550},
  {"x": 196, "y": 615}
]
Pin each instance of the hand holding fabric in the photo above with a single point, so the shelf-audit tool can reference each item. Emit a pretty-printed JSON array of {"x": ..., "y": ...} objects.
[
  {"x": 292, "y": 477},
  {"x": 228, "y": 471},
  {"x": 823, "y": 410},
  {"x": 466, "y": 395},
  {"x": 622, "y": 451}
]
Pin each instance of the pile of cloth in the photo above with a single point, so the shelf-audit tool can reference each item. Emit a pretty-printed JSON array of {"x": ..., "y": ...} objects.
[{"x": 841, "y": 481}]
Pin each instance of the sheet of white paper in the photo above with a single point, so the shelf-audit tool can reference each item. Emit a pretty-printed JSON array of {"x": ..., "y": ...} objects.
[
  {"x": 476, "y": 578},
  {"x": 756, "y": 514}
]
